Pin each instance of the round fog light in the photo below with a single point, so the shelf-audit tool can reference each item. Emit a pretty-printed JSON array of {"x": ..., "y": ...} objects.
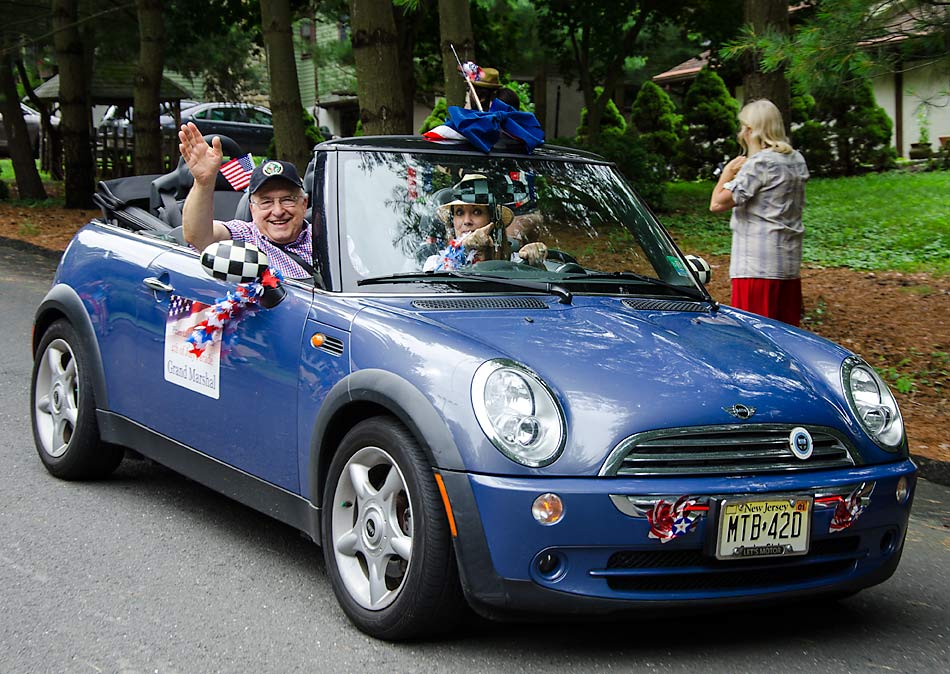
[
  {"x": 548, "y": 563},
  {"x": 547, "y": 509},
  {"x": 903, "y": 490}
]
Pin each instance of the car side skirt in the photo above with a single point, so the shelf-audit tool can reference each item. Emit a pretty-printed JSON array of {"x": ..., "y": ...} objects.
[{"x": 289, "y": 508}]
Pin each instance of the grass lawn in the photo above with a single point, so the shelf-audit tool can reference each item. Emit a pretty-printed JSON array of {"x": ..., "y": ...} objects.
[{"x": 890, "y": 221}]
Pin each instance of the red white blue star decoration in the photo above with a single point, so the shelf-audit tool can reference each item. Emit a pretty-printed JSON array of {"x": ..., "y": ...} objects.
[
  {"x": 848, "y": 510},
  {"x": 672, "y": 520},
  {"x": 226, "y": 311}
]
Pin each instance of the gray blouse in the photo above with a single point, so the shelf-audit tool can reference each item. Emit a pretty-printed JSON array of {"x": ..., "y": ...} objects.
[{"x": 766, "y": 223}]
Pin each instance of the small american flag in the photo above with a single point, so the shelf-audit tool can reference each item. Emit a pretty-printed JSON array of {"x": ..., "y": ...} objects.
[{"x": 238, "y": 171}]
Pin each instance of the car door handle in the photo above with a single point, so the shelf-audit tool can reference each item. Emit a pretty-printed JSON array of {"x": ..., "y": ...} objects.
[{"x": 155, "y": 284}]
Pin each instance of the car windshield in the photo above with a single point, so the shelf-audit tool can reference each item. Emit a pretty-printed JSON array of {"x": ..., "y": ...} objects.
[{"x": 400, "y": 214}]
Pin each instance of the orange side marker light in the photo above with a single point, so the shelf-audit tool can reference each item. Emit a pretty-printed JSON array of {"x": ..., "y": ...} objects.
[{"x": 448, "y": 506}]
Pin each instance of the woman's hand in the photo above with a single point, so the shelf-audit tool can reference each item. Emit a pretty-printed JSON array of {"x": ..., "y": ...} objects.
[
  {"x": 730, "y": 170},
  {"x": 478, "y": 238},
  {"x": 204, "y": 160},
  {"x": 533, "y": 253}
]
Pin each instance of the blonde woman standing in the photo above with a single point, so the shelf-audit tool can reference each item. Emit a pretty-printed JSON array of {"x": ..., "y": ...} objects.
[{"x": 765, "y": 188}]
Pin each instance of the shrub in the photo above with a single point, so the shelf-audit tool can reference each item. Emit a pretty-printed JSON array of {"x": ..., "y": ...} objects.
[
  {"x": 612, "y": 119},
  {"x": 646, "y": 171},
  {"x": 523, "y": 89},
  {"x": 654, "y": 120},
  {"x": 859, "y": 130},
  {"x": 813, "y": 140},
  {"x": 711, "y": 115},
  {"x": 438, "y": 116}
]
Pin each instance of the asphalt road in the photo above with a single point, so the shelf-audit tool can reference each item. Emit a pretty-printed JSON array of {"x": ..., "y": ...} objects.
[{"x": 150, "y": 572}]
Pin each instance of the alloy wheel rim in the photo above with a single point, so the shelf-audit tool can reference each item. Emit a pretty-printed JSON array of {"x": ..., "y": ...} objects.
[
  {"x": 371, "y": 528},
  {"x": 56, "y": 398}
]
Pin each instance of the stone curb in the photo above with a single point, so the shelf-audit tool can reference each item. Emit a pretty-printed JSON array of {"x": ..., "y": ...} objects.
[
  {"x": 929, "y": 469},
  {"x": 932, "y": 469},
  {"x": 27, "y": 247}
]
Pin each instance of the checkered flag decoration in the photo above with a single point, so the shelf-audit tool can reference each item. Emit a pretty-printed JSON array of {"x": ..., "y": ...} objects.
[
  {"x": 234, "y": 261},
  {"x": 700, "y": 267},
  {"x": 515, "y": 190}
]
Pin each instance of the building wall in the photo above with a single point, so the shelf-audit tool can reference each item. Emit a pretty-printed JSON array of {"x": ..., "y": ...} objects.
[
  {"x": 565, "y": 101},
  {"x": 920, "y": 81}
]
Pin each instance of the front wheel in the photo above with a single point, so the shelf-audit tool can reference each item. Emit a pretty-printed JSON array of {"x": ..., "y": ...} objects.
[
  {"x": 386, "y": 538},
  {"x": 63, "y": 409}
]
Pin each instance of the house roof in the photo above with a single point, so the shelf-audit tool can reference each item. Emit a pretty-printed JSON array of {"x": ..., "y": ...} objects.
[
  {"x": 684, "y": 71},
  {"x": 114, "y": 84}
]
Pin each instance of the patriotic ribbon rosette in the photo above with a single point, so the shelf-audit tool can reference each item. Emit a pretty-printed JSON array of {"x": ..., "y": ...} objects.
[
  {"x": 227, "y": 311},
  {"x": 672, "y": 520}
]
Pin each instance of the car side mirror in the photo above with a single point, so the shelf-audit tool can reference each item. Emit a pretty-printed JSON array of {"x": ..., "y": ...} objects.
[
  {"x": 700, "y": 268},
  {"x": 242, "y": 262}
]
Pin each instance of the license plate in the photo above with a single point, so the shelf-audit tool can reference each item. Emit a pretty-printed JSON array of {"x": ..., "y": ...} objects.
[{"x": 758, "y": 527}]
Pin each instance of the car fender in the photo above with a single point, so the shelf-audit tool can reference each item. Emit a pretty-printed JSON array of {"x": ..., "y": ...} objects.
[
  {"x": 378, "y": 391},
  {"x": 63, "y": 301}
]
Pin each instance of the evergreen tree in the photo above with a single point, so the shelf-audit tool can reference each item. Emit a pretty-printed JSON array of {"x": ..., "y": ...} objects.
[
  {"x": 712, "y": 123},
  {"x": 859, "y": 130},
  {"x": 611, "y": 121},
  {"x": 654, "y": 120}
]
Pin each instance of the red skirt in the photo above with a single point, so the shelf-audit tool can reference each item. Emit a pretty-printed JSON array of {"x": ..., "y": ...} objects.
[{"x": 775, "y": 298}]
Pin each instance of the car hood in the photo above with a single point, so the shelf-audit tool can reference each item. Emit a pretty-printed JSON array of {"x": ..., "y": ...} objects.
[{"x": 619, "y": 371}]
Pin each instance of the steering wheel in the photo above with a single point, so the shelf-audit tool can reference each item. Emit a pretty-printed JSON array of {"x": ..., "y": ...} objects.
[
  {"x": 229, "y": 147},
  {"x": 569, "y": 268}
]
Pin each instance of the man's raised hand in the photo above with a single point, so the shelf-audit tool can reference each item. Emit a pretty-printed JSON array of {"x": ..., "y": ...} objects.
[{"x": 204, "y": 160}]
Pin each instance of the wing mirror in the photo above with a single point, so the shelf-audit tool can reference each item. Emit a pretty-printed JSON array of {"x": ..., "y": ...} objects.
[
  {"x": 700, "y": 268},
  {"x": 242, "y": 262}
]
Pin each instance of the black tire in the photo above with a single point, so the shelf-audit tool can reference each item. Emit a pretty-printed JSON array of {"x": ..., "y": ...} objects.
[
  {"x": 419, "y": 596},
  {"x": 63, "y": 409}
]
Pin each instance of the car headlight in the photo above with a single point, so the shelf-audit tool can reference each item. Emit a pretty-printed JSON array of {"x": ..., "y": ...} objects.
[
  {"x": 873, "y": 403},
  {"x": 518, "y": 412}
]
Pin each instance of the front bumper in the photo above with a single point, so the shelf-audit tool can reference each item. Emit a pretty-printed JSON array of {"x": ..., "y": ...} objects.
[{"x": 607, "y": 562}]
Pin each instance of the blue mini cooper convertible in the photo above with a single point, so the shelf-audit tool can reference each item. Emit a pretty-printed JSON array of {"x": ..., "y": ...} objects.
[{"x": 578, "y": 430}]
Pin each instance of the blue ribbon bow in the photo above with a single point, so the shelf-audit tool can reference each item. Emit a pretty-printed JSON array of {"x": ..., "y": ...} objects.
[{"x": 483, "y": 129}]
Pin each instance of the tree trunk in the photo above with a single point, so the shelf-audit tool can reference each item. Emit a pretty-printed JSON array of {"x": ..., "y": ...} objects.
[
  {"x": 148, "y": 83},
  {"x": 289, "y": 133},
  {"x": 406, "y": 40},
  {"x": 455, "y": 28},
  {"x": 74, "y": 105},
  {"x": 766, "y": 15},
  {"x": 51, "y": 155},
  {"x": 375, "y": 49},
  {"x": 28, "y": 183}
]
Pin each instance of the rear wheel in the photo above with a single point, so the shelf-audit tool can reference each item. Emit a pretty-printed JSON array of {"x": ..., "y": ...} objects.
[
  {"x": 63, "y": 409},
  {"x": 386, "y": 538}
]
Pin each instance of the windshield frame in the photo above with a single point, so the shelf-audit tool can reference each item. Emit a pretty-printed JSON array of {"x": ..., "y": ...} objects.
[{"x": 605, "y": 284}]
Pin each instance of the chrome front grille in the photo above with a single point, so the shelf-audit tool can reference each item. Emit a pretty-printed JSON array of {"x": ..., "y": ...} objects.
[{"x": 724, "y": 450}]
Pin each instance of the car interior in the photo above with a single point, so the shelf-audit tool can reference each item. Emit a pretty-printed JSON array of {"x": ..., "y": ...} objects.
[{"x": 152, "y": 204}]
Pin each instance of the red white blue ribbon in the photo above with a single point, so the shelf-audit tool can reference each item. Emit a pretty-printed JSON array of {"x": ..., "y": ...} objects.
[{"x": 229, "y": 310}]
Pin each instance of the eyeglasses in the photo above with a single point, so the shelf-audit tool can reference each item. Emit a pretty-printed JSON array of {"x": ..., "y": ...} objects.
[{"x": 285, "y": 202}]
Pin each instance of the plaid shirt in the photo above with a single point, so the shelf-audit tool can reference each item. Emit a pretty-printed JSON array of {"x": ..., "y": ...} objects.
[
  {"x": 766, "y": 223},
  {"x": 302, "y": 246}
]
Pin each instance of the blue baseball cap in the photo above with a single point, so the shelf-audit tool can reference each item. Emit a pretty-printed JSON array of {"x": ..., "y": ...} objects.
[{"x": 271, "y": 169}]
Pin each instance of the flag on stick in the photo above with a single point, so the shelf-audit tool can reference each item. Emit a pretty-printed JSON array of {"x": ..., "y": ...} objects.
[{"x": 238, "y": 171}]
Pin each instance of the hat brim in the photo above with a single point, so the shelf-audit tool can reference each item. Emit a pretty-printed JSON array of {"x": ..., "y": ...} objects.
[{"x": 444, "y": 212}]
